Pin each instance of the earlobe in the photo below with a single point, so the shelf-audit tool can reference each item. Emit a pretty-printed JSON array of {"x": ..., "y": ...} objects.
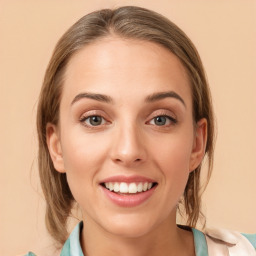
[
  {"x": 54, "y": 147},
  {"x": 199, "y": 144}
]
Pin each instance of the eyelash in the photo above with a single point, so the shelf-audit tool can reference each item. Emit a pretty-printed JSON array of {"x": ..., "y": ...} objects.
[
  {"x": 103, "y": 121},
  {"x": 172, "y": 120},
  {"x": 85, "y": 118}
]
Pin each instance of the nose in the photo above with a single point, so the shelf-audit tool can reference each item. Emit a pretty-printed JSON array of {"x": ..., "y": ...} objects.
[{"x": 128, "y": 147}]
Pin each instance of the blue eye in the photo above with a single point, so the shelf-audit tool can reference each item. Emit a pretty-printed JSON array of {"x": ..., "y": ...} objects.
[
  {"x": 162, "y": 120},
  {"x": 94, "y": 120}
]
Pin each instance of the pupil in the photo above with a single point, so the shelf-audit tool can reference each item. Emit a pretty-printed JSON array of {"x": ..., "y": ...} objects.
[
  {"x": 160, "y": 120},
  {"x": 95, "y": 120}
]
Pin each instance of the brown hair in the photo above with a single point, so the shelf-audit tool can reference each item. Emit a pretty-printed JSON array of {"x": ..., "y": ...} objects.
[{"x": 126, "y": 22}]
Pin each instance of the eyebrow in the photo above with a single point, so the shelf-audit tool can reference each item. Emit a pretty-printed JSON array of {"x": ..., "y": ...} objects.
[
  {"x": 107, "y": 99},
  {"x": 162, "y": 95},
  {"x": 93, "y": 96}
]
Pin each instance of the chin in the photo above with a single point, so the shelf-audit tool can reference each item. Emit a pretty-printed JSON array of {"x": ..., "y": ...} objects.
[
  {"x": 128, "y": 231},
  {"x": 129, "y": 226}
]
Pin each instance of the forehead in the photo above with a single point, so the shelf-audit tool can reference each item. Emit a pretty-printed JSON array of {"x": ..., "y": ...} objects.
[{"x": 110, "y": 64}]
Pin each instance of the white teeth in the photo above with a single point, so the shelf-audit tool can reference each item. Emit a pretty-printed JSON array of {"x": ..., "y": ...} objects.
[
  {"x": 124, "y": 188},
  {"x": 145, "y": 186},
  {"x": 116, "y": 187},
  {"x": 130, "y": 188},
  {"x": 111, "y": 186},
  {"x": 133, "y": 188},
  {"x": 140, "y": 187}
]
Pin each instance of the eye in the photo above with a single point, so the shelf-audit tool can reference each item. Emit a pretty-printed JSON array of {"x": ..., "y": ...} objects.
[
  {"x": 93, "y": 120},
  {"x": 162, "y": 120}
]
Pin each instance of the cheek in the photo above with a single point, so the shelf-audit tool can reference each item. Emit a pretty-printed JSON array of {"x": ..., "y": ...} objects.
[
  {"x": 81, "y": 150},
  {"x": 173, "y": 157},
  {"x": 174, "y": 151},
  {"x": 83, "y": 157}
]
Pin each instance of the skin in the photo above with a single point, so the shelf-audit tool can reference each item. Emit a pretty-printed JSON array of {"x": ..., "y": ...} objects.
[{"x": 128, "y": 142}]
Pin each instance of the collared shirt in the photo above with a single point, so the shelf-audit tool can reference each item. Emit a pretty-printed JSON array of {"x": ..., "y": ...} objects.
[{"x": 72, "y": 246}]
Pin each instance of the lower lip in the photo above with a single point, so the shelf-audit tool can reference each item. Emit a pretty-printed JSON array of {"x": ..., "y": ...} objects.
[{"x": 129, "y": 200}]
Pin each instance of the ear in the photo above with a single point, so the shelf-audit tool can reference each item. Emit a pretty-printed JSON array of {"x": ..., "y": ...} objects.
[
  {"x": 54, "y": 147},
  {"x": 199, "y": 144}
]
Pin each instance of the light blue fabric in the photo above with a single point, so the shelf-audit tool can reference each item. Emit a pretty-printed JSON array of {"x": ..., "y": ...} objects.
[
  {"x": 72, "y": 246},
  {"x": 200, "y": 243},
  {"x": 251, "y": 238}
]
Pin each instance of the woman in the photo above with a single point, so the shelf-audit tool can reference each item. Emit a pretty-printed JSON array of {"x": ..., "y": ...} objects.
[{"x": 124, "y": 122}]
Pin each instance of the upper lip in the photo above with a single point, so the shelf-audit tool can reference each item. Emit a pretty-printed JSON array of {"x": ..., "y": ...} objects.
[{"x": 127, "y": 179}]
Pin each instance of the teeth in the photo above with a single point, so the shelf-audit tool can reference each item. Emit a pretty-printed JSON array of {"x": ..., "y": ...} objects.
[
  {"x": 111, "y": 186},
  {"x": 123, "y": 188},
  {"x": 140, "y": 187},
  {"x": 116, "y": 187},
  {"x": 130, "y": 188},
  {"x": 145, "y": 186},
  {"x": 133, "y": 188}
]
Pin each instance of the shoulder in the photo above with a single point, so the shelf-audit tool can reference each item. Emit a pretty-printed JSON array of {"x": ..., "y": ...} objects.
[{"x": 230, "y": 242}]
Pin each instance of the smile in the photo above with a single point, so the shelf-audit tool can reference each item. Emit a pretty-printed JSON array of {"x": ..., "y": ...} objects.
[
  {"x": 128, "y": 188},
  {"x": 128, "y": 191}
]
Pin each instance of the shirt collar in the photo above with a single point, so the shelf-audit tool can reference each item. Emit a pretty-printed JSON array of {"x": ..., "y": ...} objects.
[{"x": 72, "y": 246}]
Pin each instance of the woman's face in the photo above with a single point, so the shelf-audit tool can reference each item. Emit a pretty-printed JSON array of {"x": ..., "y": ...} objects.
[{"x": 126, "y": 137}]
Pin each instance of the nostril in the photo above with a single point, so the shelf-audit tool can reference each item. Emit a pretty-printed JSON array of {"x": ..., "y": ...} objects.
[{"x": 120, "y": 160}]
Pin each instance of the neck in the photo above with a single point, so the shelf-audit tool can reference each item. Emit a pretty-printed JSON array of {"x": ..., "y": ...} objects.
[{"x": 166, "y": 240}]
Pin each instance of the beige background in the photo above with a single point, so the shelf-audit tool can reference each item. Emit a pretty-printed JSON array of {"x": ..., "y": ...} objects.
[{"x": 225, "y": 35}]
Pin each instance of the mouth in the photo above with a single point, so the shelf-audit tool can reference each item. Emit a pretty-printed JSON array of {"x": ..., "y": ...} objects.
[
  {"x": 125, "y": 188},
  {"x": 129, "y": 191}
]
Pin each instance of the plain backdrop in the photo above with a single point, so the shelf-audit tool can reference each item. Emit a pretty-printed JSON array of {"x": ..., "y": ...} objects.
[{"x": 224, "y": 33}]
